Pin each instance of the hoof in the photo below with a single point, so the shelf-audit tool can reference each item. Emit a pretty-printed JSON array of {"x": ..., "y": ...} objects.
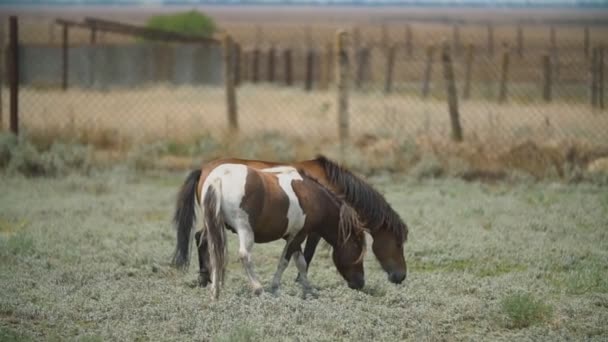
[
  {"x": 203, "y": 280},
  {"x": 258, "y": 291}
]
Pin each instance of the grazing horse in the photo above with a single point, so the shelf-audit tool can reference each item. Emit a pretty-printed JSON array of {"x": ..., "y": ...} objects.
[
  {"x": 388, "y": 231},
  {"x": 267, "y": 205}
]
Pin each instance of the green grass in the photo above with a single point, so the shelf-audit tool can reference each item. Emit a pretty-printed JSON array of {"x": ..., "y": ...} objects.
[
  {"x": 87, "y": 258},
  {"x": 523, "y": 310}
]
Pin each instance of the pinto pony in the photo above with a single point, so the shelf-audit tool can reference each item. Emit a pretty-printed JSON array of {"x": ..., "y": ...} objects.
[
  {"x": 267, "y": 205},
  {"x": 388, "y": 231}
]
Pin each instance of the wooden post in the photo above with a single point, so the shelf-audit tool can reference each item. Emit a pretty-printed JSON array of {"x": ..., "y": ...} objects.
[
  {"x": 255, "y": 65},
  {"x": 408, "y": 40},
  {"x": 342, "y": 73},
  {"x": 586, "y": 41},
  {"x": 450, "y": 83},
  {"x": 13, "y": 59},
  {"x": 520, "y": 41},
  {"x": 490, "y": 40},
  {"x": 390, "y": 64},
  {"x": 502, "y": 94},
  {"x": 310, "y": 67},
  {"x": 468, "y": 68},
  {"x": 428, "y": 71},
  {"x": 593, "y": 76},
  {"x": 64, "y": 57},
  {"x": 547, "y": 78},
  {"x": 326, "y": 67},
  {"x": 237, "y": 64},
  {"x": 229, "y": 83},
  {"x": 271, "y": 64},
  {"x": 600, "y": 77},
  {"x": 288, "y": 67},
  {"x": 456, "y": 39},
  {"x": 93, "y": 37}
]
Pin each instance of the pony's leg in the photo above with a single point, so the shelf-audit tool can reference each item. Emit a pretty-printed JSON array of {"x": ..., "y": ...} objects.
[
  {"x": 283, "y": 263},
  {"x": 246, "y": 241},
  {"x": 203, "y": 258},
  {"x": 291, "y": 247},
  {"x": 309, "y": 250},
  {"x": 301, "y": 265}
]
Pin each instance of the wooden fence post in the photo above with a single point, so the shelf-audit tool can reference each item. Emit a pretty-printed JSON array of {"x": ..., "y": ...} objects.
[
  {"x": 64, "y": 57},
  {"x": 310, "y": 67},
  {"x": 288, "y": 67},
  {"x": 271, "y": 64},
  {"x": 468, "y": 69},
  {"x": 390, "y": 65},
  {"x": 490, "y": 29},
  {"x": 547, "y": 81},
  {"x": 600, "y": 77},
  {"x": 229, "y": 83},
  {"x": 255, "y": 65},
  {"x": 502, "y": 94},
  {"x": 408, "y": 40},
  {"x": 428, "y": 71},
  {"x": 342, "y": 80},
  {"x": 586, "y": 41},
  {"x": 593, "y": 78},
  {"x": 450, "y": 83},
  {"x": 14, "y": 74},
  {"x": 520, "y": 41}
]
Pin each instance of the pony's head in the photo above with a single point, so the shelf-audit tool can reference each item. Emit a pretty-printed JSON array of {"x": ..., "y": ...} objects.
[
  {"x": 389, "y": 252},
  {"x": 350, "y": 249}
]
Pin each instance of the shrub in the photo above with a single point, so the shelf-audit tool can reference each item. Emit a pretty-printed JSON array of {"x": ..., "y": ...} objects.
[
  {"x": 191, "y": 22},
  {"x": 522, "y": 310}
]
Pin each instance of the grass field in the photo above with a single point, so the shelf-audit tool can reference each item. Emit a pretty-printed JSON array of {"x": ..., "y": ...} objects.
[{"x": 86, "y": 259}]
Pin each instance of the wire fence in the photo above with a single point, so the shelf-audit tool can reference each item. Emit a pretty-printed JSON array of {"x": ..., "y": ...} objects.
[{"x": 512, "y": 83}]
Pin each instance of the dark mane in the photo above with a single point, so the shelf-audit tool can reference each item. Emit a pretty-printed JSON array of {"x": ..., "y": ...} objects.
[
  {"x": 339, "y": 202},
  {"x": 369, "y": 203}
]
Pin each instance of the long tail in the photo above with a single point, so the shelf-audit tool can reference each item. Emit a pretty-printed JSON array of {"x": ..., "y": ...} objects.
[
  {"x": 216, "y": 234},
  {"x": 184, "y": 218}
]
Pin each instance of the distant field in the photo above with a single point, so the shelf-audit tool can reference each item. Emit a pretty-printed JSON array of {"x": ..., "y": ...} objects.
[
  {"x": 182, "y": 113},
  {"x": 87, "y": 259}
]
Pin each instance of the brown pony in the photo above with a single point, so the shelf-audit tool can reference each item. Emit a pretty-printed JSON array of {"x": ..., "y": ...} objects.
[
  {"x": 266, "y": 205},
  {"x": 387, "y": 229}
]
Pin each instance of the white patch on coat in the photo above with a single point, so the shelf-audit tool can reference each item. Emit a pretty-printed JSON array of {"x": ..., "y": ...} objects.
[
  {"x": 295, "y": 214},
  {"x": 232, "y": 178}
]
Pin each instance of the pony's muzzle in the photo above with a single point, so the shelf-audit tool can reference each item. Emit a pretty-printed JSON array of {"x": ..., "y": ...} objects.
[
  {"x": 397, "y": 277},
  {"x": 357, "y": 282}
]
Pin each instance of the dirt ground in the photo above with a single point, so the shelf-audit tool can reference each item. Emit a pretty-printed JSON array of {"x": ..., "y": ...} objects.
[{"x": 86, "y": 258}]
